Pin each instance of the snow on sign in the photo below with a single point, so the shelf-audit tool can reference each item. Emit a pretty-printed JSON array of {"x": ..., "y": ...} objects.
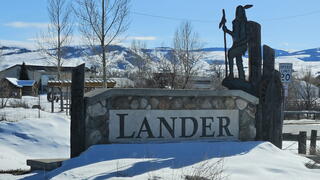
[
  {"x": 173, "y": 125},
  {"x": 285, "y": 71}
]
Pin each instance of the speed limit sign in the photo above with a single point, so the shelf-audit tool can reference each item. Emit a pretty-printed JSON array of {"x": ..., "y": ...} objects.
[{"x": 285, "y": 71}]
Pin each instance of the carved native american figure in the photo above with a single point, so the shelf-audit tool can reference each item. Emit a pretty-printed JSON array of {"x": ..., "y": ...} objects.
[{"x": 240, "y": 40}]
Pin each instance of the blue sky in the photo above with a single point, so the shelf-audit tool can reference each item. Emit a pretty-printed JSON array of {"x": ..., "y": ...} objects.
[{"x": 286, "y": 24}]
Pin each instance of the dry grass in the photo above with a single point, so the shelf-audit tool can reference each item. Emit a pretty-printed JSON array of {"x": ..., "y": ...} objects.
[{"x": 208, "y": 171}]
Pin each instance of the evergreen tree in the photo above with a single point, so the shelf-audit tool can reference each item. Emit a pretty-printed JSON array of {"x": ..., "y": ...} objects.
[{"x": 23, "y": 72}]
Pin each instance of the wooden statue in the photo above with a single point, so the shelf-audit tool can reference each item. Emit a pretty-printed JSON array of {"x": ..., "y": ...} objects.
[{"x": 240, "y": 40}]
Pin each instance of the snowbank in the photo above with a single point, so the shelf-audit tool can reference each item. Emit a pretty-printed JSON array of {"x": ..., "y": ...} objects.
[
  {"x": 47, "y": 137},
  {"x": 241, "y": 161}
]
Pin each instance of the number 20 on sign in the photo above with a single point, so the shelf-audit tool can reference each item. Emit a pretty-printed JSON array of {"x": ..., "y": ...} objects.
[{"x": 285, "y": 71}]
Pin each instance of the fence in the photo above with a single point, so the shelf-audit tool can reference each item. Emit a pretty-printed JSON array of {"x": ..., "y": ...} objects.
[
  {"x": 299, "y": 105},
  {"x": 301, "y": 114},
  {"x": 27, "y": 107},
  {"x": 302, "y": 141}
]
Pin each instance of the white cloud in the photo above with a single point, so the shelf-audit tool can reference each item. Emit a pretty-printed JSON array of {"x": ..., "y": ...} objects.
[
  {"x": 142, "y": 38},
  {"x": 19, "y": 24},
  {"x": 285, "y": 44}
]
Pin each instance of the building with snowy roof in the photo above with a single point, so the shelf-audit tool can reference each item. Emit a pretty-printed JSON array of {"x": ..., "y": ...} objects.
[
  {"x": 14, "y": 88},
  {"x": 42, "y": 74}
]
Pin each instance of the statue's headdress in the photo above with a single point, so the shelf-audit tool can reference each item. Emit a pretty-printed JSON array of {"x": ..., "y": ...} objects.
[{"x": 240, "y": 12}]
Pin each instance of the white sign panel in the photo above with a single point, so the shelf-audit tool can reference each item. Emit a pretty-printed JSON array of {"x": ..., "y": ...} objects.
[
  {"x": 172, "y": 125},
  {"x": 285, "y": 70}
]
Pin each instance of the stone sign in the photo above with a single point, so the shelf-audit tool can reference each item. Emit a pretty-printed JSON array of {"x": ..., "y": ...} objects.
[
  {"x": 159, "y": 115},
  {"x": 173, "y": 125}
]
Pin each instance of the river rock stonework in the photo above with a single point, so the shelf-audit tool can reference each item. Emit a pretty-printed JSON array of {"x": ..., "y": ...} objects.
[{"x": 99, "y": 103}]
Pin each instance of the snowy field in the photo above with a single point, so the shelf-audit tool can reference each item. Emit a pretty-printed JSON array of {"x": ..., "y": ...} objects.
[{"x": 27, "y": 137}]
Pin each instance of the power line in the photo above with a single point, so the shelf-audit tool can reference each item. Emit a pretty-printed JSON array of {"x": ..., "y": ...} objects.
[
  {"x": 293, "y": 16},
  {"x": 208, "y": 21},
  {"x": 172, "y": 18}
]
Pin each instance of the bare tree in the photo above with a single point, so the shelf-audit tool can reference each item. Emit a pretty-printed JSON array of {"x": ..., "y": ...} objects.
[
  {"x": 4, "y": 88},
  {"x": 52, "y": 43},
  {"x": 169, "y": 70},
  {"x": 303, "y": 93},
  {"x": 4, "y": 93},
  {"x": 101, "y": 22},
  {"x": 142, "y": 58},
  {"x": 217, "y": 70},
  {"x": 186, "y": 44},
  {"x": 143, "y": 61}
]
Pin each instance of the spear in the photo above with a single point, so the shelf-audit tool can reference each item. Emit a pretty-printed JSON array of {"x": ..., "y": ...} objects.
[{"x": 222, "y": 24}]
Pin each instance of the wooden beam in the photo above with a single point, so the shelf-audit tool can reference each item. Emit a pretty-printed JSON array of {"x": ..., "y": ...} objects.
[{"x": 77, "y": 136}]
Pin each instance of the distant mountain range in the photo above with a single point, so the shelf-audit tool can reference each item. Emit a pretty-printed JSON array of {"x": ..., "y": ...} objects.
[{"x": 123, "y": 58}]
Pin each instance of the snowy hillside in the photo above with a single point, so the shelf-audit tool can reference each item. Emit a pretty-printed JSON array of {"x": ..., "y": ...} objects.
[{"x": 123, "y": 59}]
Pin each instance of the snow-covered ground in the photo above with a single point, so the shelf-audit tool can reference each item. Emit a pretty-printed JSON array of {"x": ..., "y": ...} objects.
[
  {"x": 23, "y": 135},
  {"x": 236, "y": 160},
  {"x": 294, "y": 126},
  {"x": 28, "y": 137},
  {"x": 46, "y": 137}
]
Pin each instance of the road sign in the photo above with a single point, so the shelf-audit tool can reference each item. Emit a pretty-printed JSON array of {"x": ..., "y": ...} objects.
[{"x": 285, "y": 71}]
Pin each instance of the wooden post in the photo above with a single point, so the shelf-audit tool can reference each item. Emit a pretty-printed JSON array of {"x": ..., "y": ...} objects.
[
  {"x": 77, "y": 132},
  {"x": 254, "y": 51},
  {"x": 268, "y": 61},
  {"x": 67, "y": 101},
  {"x": 265, "y": 121},
  {"x": 269, "y": 118},
  {"x": 52, "y": 102},
  {"x": 313, "y": 142},
  {"x": 61, "y": 99},
  {"x": 302, "y": 142},
  {"x": 39, "y": 107}
]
